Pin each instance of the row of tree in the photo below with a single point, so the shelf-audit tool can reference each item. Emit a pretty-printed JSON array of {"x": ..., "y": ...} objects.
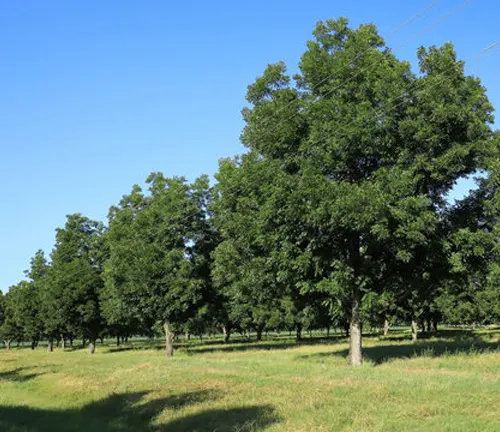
[{"x": 337, "y": 216}]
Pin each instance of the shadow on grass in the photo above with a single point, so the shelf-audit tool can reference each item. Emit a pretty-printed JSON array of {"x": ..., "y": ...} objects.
[
  {"x": 17, "y": 375},
  {"x": 237, "y": 345},
  {"x": 254, "y": 418},
  {"x": 134, "y": 412},
  {"x": 447, "y": 342}
]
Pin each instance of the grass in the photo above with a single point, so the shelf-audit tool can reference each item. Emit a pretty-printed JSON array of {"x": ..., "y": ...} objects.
[{"x": 449, "y": 382}]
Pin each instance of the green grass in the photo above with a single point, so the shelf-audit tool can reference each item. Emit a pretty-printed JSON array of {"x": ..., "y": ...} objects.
[{"x": 444, "y": 383}]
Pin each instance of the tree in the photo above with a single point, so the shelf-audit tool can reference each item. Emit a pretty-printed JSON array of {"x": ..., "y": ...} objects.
[
  {"x": 23, "y": 312},
  {"x": 154, "y": 270},
  {"x": 75, "y": 279},
  {"x": 117, "y": 296},
  {"x": 471, "y": 296},
  {"x": 9, "y": 327},
  {"x": 2, "y": 308},
  {"x": 37, "y": 274},
  {"x": 369, "y": 150},
  {"x": 243, "y": 269}
]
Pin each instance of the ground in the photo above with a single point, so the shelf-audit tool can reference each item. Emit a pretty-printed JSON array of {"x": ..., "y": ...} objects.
[{"x": 448, "y": 382}]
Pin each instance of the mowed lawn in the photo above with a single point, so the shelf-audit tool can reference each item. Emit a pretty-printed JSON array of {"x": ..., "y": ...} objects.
[{"x": 446, "y": 383}]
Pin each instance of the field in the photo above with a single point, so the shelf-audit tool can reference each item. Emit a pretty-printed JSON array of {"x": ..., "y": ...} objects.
[{"x": 449, "y": 382}]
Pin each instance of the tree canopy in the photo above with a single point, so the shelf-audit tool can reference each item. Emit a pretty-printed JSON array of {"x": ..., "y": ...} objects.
[{"x": 337, "y": 216}]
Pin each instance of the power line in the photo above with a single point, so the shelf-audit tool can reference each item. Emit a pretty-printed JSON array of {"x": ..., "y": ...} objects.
[
  {"x": 388, "y": 36},
  {"x": 440, "y": 21},
  {"x": 419, "y": 84}
]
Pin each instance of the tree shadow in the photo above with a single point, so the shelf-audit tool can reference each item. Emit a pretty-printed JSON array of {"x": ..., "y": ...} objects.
[
  {"x": 135, "y": 412},
  {"x": 17, "y": 375},
  {"x": 448, "y": 342},
  {"x": 237, "y": 345},
  {"x": 266, "y": 345},
  {"x": 254, "y": 418}
]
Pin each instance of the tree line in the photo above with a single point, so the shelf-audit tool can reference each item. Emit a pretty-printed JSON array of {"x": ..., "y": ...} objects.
[{"x": 337, "y": 216}]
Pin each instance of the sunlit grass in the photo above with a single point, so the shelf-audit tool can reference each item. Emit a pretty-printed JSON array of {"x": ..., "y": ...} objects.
[{"x": 449, "y": 382}]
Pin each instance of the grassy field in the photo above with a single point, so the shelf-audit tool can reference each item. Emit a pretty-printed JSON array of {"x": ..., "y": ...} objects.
[{"x": 450, "y": 382}]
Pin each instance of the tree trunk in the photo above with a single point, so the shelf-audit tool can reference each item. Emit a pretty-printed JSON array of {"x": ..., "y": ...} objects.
[
  {"x": 70, "y": 342},
  {"x": 259, "y": 334},
  {"x": 63, "y": 342},
  {"x": 298, "y": 334},
  {"x": 346, "y": 328},
  {"x": 50, "y": 347},
  {"x": 435, "y": 325},
  {"x": 414, "y": 329},
  {"x": 169, "y": 340},
  {"x": 386, "y": 326},
  {"x": 328, "y": 332},
  {"x": 227, "y": 333},
  {"x": 33, "y": 345},
  {"x": 92, "y": 346},
  {"x": 7, "y": 344},
  {"x": 421, "y": 323},
  {"x": 117, "y": 341},
  {"x": 187, "y": 336},
  {"x": 428, "y": 325},
  {"x": 355, "y": 353},
  {"x": 310, "y": 334}
]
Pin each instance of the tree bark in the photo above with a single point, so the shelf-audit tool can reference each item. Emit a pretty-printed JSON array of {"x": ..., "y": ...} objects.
[
  {"x": 169, "y": 340},
  {"x": 7, "y": 344},
  {"x": 355, "y": 353},
  {"x": 92, "y": 346},
  {"x": 328, "y": 332},
  {"x": 414, "y": 329},
  {"x": 50, "y": 347},
  {"x": 187, "y": 336},
  {"x": 259, "y": 334},
  {"x": 33, "y": 345},
  {"x": 386, "y": 326},
  {"x": 63, "y": 342},
  {"x": 227, "y": 333},
  {"x": 428, "y": 326},
  {"x": 117, "y": 341},
  {"x": 298, "y": 334},
  {"x": 435, "y": 325},
  {"x": 346, "y": 328}
]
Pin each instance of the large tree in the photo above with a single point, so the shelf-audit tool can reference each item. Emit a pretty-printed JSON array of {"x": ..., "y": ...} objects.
[
  {"x": 154, "y": 274},
  {"x": 369, "y": 151}
]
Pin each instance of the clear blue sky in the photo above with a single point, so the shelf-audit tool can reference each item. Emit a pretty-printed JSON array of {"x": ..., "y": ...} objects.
[{"x": 97, "y": 94}]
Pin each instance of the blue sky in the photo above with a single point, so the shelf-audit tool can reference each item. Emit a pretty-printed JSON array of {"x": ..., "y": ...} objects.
[{"x": 97, "y": 94}]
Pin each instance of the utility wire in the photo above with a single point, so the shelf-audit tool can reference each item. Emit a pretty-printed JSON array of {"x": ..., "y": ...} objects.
[
  {"x": 440, "y": 21},
  {"x": 388, "y": 36}
]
